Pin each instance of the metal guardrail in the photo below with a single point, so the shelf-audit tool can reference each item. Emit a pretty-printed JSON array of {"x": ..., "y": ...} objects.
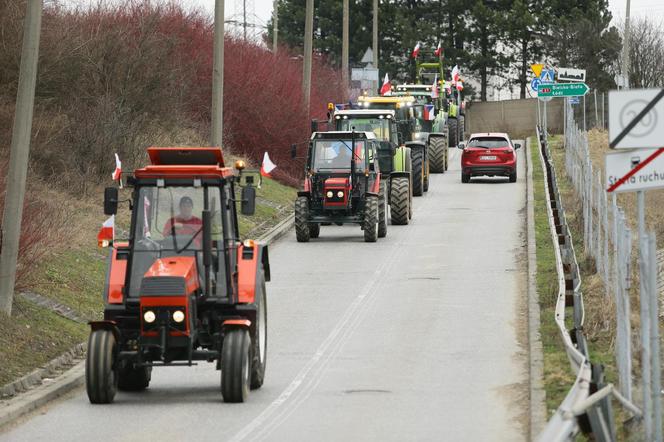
[{"x": 587, "y": 406}]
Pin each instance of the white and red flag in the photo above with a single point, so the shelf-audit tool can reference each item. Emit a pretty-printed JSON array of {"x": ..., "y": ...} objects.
[
  {"x": 455, "y": 74},
  {"x": 268, "y": 166},
  {"x": 434, "y": 87},
  {"x": 439, "y": 50},
  {"x": 107, "y": 232},
  {"x": 386, "y": 87},
  {"x": 117, "y": 173},
  {"x": 459, "y": 85},
  {"x": 416, "y": 50}
]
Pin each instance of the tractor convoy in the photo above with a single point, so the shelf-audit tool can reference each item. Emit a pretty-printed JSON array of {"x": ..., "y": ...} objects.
[{"x": 184, "y": 288}]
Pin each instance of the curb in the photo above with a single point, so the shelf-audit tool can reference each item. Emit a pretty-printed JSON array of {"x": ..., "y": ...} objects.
[
  {"x": 537, "y": 394},
  {"x": 17, "y": 406}
]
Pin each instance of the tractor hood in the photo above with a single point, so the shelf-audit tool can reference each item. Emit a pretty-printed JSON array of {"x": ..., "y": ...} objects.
[
  {"x": 336, "y": 192},
  {"x": 172, "y": 276}
]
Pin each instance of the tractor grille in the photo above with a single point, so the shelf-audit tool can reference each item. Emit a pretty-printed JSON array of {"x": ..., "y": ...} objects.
[{"x": 163, "y": 286}]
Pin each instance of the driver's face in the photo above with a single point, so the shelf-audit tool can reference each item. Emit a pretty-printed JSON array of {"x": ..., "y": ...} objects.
[{"x": 185, "y": 211}]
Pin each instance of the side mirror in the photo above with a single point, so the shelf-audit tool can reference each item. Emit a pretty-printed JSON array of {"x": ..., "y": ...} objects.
[
  {"x": 461, "y": 146},
  {"x": 111, "y": 201},
  {"x": 248, "y": 206},
  {"x": 517, "y": 146},
  {"x": 314, "y": 126},
  {"x": 293, "y": 150}
]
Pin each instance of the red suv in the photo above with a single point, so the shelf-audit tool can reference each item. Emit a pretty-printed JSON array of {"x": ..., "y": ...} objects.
[{"x": 489, "y": 154}]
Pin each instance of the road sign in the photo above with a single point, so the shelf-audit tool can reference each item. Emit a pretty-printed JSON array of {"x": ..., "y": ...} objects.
[
  {"x": 574, "y": 100},
  {"x": 570, "y": 74},
  {"x": 537, "y": 69},
  {"x": 535, "y": 83},
  {"x": 634, "y": 119},
  {"x": 635, "y": 170},
  {"x": 547, "y": 76},
  {"x": 563, "y": 90}
]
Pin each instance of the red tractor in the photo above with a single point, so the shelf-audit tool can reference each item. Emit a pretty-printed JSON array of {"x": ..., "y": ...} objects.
[{"x": 183, "y": 287}]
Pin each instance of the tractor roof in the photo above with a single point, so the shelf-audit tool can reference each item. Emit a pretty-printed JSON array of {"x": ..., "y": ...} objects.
[
  {"x": 342, "y": 135},
  {"x": 185, "y": 162},
  {"x": 389, "y": 113},
  {"x": 386, "y": 99}
]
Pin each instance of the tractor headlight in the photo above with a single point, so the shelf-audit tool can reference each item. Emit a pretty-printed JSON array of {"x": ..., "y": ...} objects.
[
  {"x": 329, "y": 194},
  {"x": 340, "y": 194},
  {"x": 149, "y": 316},
  {"x": 178, "y": 316}
]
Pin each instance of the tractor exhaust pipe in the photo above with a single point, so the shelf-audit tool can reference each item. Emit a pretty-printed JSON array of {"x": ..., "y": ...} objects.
[{"x": 207, "y": 249}]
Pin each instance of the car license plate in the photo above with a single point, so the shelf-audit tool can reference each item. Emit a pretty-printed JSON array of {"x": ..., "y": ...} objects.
[{"x": 488, "y": 158}]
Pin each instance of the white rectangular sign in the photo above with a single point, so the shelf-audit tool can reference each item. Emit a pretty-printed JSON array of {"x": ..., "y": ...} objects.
[
  {"x": 624, "y": 107},
  {"x": 571, "y": 74},
  {"x": 618, "y": 164}
]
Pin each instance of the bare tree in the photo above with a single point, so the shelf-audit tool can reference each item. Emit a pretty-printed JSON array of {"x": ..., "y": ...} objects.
[{"x": 646, "y": 53}]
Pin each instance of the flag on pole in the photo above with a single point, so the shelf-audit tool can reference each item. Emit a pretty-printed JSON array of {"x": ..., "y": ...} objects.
[
  {"x": 117, "y": 173},
  {"x": 107, "y": 232},
  {"x": 459, "y": 85},
  {"x": 386, "y": 87},
  {"x": 268, "y": 166},
  {"x": 434, "y": 87},
  {"x": 416, "y": 50},
  {"x": 439, "y": 50},
  {"x": 429, "y": 112},
  {"x": 455, "y": 74}
]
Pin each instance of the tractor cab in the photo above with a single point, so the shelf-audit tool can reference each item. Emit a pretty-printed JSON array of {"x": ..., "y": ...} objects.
[{"x": 182, "y": 287}]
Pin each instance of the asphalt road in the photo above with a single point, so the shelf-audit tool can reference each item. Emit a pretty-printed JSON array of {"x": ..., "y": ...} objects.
[{"x": 420, "y": 336}]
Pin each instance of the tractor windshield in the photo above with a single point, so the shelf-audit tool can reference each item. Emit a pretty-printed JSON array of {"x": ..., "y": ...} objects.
[
  {"x": 379, "y": 126},
  {"x": 336, "y": 154}
]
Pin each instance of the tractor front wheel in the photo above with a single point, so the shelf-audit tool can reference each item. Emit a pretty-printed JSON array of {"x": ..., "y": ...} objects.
[
  {"x": 235, "y": 366},
  {"x": 418, "y": 172},
  {"x": 462, "y": 127},
  {"x": 438, "y": 154},
  {"x": 314, "y": 230},
  {"x": 382, "y": 212},
  {"x": 454, "y": 132},
  {"x": 259, "y": 341},
  {"x": 134, "y": 379},
  {"x": 101, "y": 377},
  {"x": 370, "y": 223},
  {"x": 425, "y": 185},
  {"x": 302, "y": 232},
  {"x": 400, "y": 200}
]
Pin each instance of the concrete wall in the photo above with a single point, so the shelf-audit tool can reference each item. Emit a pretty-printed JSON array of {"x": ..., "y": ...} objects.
[{"x": 516, "y": 117}]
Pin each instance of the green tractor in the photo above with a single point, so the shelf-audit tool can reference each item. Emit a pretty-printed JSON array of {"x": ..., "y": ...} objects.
[
  {"x": 430, "y": 125},
  {"x": 406, "y": 122},
  {"x": 394, "y": 158}
]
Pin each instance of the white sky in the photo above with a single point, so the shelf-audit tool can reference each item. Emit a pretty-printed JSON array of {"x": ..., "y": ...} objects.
[{"x": 638, "y": 8}]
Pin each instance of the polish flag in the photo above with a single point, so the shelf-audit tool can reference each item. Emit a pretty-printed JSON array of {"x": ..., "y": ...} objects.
[
  {"x": 268, "y": 166},
  {"x": 455, "y": 74},
  {"x": 107, "y": 232},
  {"x": 386, "y": 87},
  {"x": 459, "y": 85},
  {"x": 434, "y": 88},
  {"x": 416, "y": 50},
  {"x": 429, "y": 112},
  {"x": 439, "y": 50},
  {"x": 117, "y": 173}
]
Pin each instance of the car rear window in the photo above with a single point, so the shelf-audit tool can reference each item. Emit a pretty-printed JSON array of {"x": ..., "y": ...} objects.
[{"x": 488, "y": 142}]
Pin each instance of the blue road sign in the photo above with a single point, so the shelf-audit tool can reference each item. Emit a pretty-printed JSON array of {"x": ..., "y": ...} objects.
[
  {"x": 573, "y": 100},
  {"x": 534, "y": 84},
  {"x": 547, "y": 75}
]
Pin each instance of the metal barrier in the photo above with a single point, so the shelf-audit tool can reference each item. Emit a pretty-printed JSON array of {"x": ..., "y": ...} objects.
[{"x": 587, "y": 406}]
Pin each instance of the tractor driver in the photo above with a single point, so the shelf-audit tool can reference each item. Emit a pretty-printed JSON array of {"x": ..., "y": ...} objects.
[
  {"x": 343, "y": 157},
  {"x": 185, "y": 223}
]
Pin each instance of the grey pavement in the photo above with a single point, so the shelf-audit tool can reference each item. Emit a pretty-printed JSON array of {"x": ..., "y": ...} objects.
[{"x": 420, "y": 336}]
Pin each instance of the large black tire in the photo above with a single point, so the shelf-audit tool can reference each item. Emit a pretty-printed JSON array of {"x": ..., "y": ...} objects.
[
  {"x": 302, "y": 232},
  {"x": 382, "y": 211},
  {"x": 437, "y": 154},
  {"x": 259, "y": 340},
  {"x": 418, "y": 172},
  {"x": 462, "y": 128},
  {"x": 314, "y": 230},
  {"x": 370, "y": 223},
  {"x": 454, "y": 131},
  {"x": 134, "y": 379},
  {"x": 235, "y": 366},
  {"x": 427, "y": 173},
  {"x": 101, "y": 377},
  {"x": 400, "y": 200},
  {"x": 513, "y": 177}
]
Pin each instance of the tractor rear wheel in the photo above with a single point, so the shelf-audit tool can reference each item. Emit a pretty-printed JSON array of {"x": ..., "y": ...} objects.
[
  {"x": 382, "y": 212},
  {"x": 101, "y": 377},
  {"x": 314, "y": 230},
  {"x": 370, "y": 223},
  {"x": 462, "y": 127},
  {"x": 302, "y": 232},
  {"x": 235, "y": 366},
  {"x": 134, "y": 379},
  {"x": 418, "y": 172},
  {"x": 438, "y": 154},
  {"x": 425, "y": 185},
  {"x": 400, "y": 200},
  {"x": 454, "y": 131},
  {"x": 259, "y": 341}
]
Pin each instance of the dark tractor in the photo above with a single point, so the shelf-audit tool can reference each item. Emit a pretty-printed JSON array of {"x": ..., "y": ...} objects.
[
  {"x": 342, "y": 185},
  {"x": 394, "y": 157},
  {"x": 182, "y": 288}
]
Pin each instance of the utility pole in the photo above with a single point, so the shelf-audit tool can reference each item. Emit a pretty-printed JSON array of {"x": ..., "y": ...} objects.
[
  {"x": 626, "y": 42},
  {"x": 344, "y": 44},
  {"x": 375, "y": 34},
  {"x": 10, "y": 231},
  {"x": 275, "y": 26},
  {"x": 218, "y": 76},
  {"x": 244, "y": 18},
  {"x": 308, "y": 51}
]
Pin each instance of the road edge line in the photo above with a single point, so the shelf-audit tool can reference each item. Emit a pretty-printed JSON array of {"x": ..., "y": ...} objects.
[{"x": 536, "y": 365}]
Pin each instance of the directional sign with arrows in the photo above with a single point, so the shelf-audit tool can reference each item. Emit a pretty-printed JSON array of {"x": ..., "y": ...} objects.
[{"x": 563, "y": 90}]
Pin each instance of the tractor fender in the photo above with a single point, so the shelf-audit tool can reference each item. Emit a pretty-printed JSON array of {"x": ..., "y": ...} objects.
[
  {"x": 236, "y": 323},
  {"x": 400, "y": 174},
  {"x": 401, "y": 159},
  {"x": 416, "y": 145},
  {"x": 106, "y": 325},
  {"x": 437, "y": 135},
  {"x": 372, "y": 194},
  {"x": 304, "y": 193},
  {"x": 250, "y": 257}
]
